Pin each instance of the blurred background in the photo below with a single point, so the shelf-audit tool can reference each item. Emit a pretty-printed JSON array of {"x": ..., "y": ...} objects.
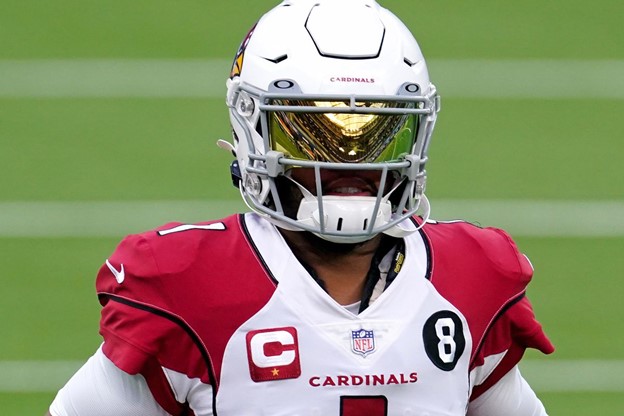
[{"x": 109, "y": 114}]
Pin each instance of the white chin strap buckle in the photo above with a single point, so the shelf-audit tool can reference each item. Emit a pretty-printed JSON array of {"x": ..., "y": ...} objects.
[{"x": 344, "y": 214}]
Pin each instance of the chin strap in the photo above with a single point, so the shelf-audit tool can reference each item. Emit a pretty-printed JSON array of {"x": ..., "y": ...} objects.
[{"x": 407, "y": 227}]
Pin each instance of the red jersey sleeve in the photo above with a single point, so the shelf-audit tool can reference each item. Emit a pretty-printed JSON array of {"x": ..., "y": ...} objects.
[
  {"x": 514, "y": 329},
  {"x": 140, "y": 336}
]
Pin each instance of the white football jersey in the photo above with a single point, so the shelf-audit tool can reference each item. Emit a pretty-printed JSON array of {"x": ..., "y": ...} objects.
[{"x": 227, "y": 305}]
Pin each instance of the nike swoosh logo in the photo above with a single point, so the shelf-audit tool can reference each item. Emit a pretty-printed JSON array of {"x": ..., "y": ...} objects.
[{"x": 120, "y": 275}]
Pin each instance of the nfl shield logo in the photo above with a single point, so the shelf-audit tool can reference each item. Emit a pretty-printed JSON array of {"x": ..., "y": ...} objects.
[{"x": 363, "y": 342}]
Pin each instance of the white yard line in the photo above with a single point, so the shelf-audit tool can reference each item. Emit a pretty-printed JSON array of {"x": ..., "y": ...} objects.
[
  {"x": 543, "y": 375},
  {"x": 113, "y": 78},
  {"x": 35, "y": 376},
  {"x": 574, "y": 375},
  {"x": 103, "y": 219},
  {"x": 94, "y": 78},
  {"x": 538, "y": 218}
]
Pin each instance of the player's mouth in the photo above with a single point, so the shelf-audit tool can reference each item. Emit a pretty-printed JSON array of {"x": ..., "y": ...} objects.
[{"x": 349, "y": 187}]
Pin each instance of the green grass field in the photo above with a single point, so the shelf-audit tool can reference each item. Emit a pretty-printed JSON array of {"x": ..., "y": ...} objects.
[{"x": 548, "y": 129}]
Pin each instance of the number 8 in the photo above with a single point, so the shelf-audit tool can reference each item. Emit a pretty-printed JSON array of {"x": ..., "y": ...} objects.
[{"x": 445, "y": 330}]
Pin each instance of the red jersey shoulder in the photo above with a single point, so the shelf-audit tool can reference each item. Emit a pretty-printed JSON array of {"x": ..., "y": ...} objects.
[
  {"x": 478, "y": 270},
  {"x": 185, "y": 289},
  {"x": 459, "y": 245},
  {"x": 169, "y": 250}
]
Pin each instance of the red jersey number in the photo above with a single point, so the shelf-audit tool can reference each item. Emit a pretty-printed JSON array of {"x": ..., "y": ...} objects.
[{"x": 363, "y": 405}]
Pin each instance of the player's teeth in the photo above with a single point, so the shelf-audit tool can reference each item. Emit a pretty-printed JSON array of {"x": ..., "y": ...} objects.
[{"x": 348, "y": 190}]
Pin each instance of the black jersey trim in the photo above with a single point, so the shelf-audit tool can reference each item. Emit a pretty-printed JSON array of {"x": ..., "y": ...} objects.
[
  {"x": 427, "y": 244},
  {"x": 182, "y": 324},
  {"x": 247, "y": 234}
]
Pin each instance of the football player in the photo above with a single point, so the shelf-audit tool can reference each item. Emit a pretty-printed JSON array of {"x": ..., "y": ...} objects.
[{"x": 336, "y": 295}]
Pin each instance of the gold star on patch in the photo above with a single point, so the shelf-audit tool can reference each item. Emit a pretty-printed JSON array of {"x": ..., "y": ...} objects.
[{"x": 275, "y": 372}]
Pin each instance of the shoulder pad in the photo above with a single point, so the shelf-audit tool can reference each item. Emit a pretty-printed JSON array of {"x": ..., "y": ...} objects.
[{"x": 165, "y": 251}]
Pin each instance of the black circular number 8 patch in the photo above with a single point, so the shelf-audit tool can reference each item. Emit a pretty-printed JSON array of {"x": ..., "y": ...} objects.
[{"x": 443, "y": 335}]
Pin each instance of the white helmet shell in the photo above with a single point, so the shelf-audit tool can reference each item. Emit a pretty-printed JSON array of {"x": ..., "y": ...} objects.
[{"x": 307, "y": 53}]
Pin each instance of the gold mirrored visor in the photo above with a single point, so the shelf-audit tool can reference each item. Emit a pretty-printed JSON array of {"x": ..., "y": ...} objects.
[{"x": 330, "y": 131}]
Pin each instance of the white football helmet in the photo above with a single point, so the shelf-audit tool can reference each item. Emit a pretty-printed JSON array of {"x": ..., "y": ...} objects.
[{"x": 332, "y": 85}]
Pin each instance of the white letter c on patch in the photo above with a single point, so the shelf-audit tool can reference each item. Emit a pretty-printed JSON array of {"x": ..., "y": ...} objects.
[{"x": 282, "y": 342}]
